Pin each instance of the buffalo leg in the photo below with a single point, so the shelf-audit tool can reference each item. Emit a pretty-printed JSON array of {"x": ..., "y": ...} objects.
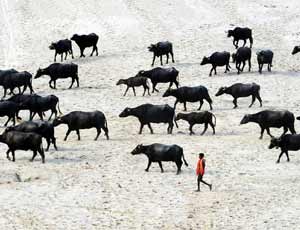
[
  {"x": 244, "y": 63},
  {"x": 66, "y": 55},
  {"x": 14, "y": 120},
  {"x": 62, "y": 57},
  {"x": 237, "y": 44},
  {"x": 170, "y": 127},
  {"x": 172, "y": 55},
  {"x": 179, "y": 164},
  {"x": 184, "y": 105},
  {"x": 141, "y": 128},
  {"x": 269, "y": 67},
  {"x": 54, "y": 142},
  {"x": 145, "y": 88},
  {"x": 148, "y": 166},
  {"x": 154, "y": 89},
  {"x": 161, "y": 62},
  {"x": 285, "y": 129},
  {"x": 77, "y": 81},
  {"x": 42, "y": 154},
  {"x": 167, "y": 58},
  {"x": 50, "y": 85},
  {"x": 213, "y": 127},
  {"x": 81, "y": 52},
  {"x": 279, "y": 157},
  {"x": 235, "y": 103},
  {"x": 215, "y": 69},
  {"x": 149, "y": 126},
  {"x": 78, "y": 134},
  {"x": 9, "y": 118},
  {"x": 41, "y": 115},
  {"x": 133, "y": 90},
  {"x": 73, "y": 80},
  {"x": 55, "y": 56},
  {"x": 292, "y": 129},
  {"x": 287, "y": 155},
  {"x": 34, "y": 155},
  {"x": 268, "y": 132},
  {"x": 48, "y": 143},
  {"x": 261, "y": 132},
  {"x": 7, "y": 154},
  {"x": 153, "y": 60},
  {"x": 201, "y": 103},
  {"x": 92, "y": 51},
  {"x": 160, "y": 165},
  {"x": 244, "y": 42},
  {"x": 211, "y": 71},
  {"x": 249, "y": 63},
  {"x": 191, "y": 129},
  {"x": 175, "y": 104},
  {"x": 253, "y": 100},
  {"x": 5, "y": 91},
  {"x": 13, "y": 155},
  {"x": 205, "y": 128},
  {"x": 96, "y": 48},
  {"x": 98, "y": 133},
  {"x": 259, "y": 99},
  {"x": 67, "y": 134}
]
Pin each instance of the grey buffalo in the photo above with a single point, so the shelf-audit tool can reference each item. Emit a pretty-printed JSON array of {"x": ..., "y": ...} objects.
[
  {"x": 135, "y": 82},
  {"x": 217, "y": 59},
  {"x": 161, "y": 48},
  {"x": 242, "y": 55},
  {"x": 148, "y": 113},
  {"x": 239, "y": 33},
  {"x": 77, "y": 120},
  {"x": 264, "y": 57},
  {"x": 285, "y": 143},
  {"x": 267, "y": 119},
  {"x": 194, "y": 118},
  {"x": 241, "y": 90},
  {"x": 22, "y": 141},
  {"x": 189, "y": 94},
  {"x": 57, "y": 70},
  {"x": 159, "y": 152},
  {"x": 161, "y": 75},
  {"x": 43, "y": 128},
  {"x": 62, "y": 47}
]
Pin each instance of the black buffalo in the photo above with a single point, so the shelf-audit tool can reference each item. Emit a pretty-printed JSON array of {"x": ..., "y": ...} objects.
[
  {"x": 242, "y": 55},
  {"x": 62, "y": 47},
  {"x": 239, "y": 33},
  {"x": 57, "y": 70},
  {"x": 77, "y": 120},
  {"x": 135, "y": 82},
  {"x": 194, "y": 118},
  {"x": 159, "y": 152},
  {"x": 161, "y": 75},
  {"x": 4, "y": 73},
  {"x": 241, "y": 90},
  {"x": 21, "y": 99},
  {"x": 264, "y": 57},
  {"x": 16, "y": 80},
  {"x": 217, "y": 59},
  {"x": 84, "y": 41},
  {"x": 43, "y": 128},
  {"x": 285, "y": 143},
  {"x": 23, "y": 141},
  {"x": 148, "y": 113},
  {"x": 267, "y": 119},
  {"x": 161, "y": 48},
  {"x": 189, "y": 94},
  {"x": 9, "y": 109},
  {"x": 37, "y": 104}
]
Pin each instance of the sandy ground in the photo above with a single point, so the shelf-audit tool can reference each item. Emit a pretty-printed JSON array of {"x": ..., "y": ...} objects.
[{"x": 99, "y": 184}]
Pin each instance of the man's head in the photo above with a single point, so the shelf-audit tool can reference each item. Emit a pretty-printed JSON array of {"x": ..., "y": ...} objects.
[{"x": 201, "y": 155}]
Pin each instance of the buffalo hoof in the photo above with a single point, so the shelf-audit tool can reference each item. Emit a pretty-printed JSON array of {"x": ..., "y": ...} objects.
[
  {"x": 147, "y": 170},
  {"x": 288, "y": 160}
]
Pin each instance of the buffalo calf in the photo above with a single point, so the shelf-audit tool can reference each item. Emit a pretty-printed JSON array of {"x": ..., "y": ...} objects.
[{"x": 161, "y": 48}]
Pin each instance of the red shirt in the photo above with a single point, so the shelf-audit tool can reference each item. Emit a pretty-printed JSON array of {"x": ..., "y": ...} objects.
[{"x": 200, "y": 169}]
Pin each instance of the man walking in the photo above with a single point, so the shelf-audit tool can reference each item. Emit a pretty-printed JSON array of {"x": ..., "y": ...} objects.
[{"x": 200, "y": 172}]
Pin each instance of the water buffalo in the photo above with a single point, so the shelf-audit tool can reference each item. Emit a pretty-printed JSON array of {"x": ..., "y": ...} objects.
[
  {"x": 296, "y": 50},
  {"x": 161, "y": 48},
  {"x": 9, "y": 109},
  {"x": 57, "y": 70},
  {"x": 43, "y": 128},
  {"x": 23, "y": 141},
  {"x": 267, "y": 119},
  {"x": 21, "y": 99},
  {"x": 239, "y": 33},
  {"x": 264, "y": 57},
  {"x": 189, "y": 94},
  {"x": 161, "y": 75},
  {"x": 193, "y": 118},
  {"x": 241, "y": 90},
  {"x": 285, "y": 143},
  {"x": 159, "y": 152},
  {"x": 242, "y": 55},
  {"x": 217, "y": 59},
  {"x": 77, "y": 120},
  {"x": 16, "y": 80},
  {"x": 135, "y": 82},
  {"x": 148, "y": 113},
  {"x": 40, "y": 104},
  {"x": 61, "y": 47},
  {"x": 84, "y": 41}
]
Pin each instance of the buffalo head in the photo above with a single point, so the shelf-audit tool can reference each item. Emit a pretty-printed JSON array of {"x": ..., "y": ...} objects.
[
  {"x": 169, "y": 92},
  {"x": 221, "y": 91},
  {"x": 152, "y": 48},
  {"x": 57, "y": 121},
  {"x": 75, "y": 37},
  {"x": 245, "y": 119},
  {"x": 274, "y": 143},
  {"x": 296, "y": 50},
  {"x": 204, "y": 61},
  {"x": 120, "y": 82},
  {"x": 39, "y": 73},
  {"x": 179, "y": 116},
  {"x": 137, "y": 150},
  {"x": 126, "y": 112},
  {"x": 52, "y": 46},
  {"x": 229, "y": 33}
]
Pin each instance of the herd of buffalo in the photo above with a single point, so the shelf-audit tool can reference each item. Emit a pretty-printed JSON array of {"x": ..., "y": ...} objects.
[{"x": 28, "y": 135}]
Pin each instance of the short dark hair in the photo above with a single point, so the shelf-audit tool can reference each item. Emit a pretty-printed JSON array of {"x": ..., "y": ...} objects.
[{"x": 201, "y": 155}]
